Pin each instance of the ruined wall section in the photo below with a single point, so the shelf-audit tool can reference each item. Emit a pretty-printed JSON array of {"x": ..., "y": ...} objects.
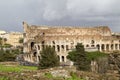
[{"x": 66, "y": 34}]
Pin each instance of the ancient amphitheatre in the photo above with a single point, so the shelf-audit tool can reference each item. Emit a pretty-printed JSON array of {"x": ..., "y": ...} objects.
[{"x": 64, "y": 39}]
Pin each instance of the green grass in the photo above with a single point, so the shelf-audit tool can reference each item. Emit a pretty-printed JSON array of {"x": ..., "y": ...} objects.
[
  {"x": 4, "y": 78},
  {"x": 95, "y": 55},
  {"x": 4, "y": 68}
]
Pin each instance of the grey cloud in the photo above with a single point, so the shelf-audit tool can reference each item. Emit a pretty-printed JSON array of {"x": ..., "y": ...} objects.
[{"x": 59, "y": 12}]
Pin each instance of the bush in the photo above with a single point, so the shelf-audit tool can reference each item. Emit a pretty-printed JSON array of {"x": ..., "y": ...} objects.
[{"x": 8, "y": 55}]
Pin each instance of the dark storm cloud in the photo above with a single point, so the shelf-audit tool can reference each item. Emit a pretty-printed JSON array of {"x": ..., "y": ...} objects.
[{"x": 59, "y": 12}]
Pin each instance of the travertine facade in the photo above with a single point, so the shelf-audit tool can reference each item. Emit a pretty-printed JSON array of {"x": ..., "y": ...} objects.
[
  {"x": 63, "y": 39},
  {"x": 13, "y": 38}
]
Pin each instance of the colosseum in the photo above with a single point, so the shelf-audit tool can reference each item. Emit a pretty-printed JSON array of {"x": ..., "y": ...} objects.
[{"x": 64, "y": 39}]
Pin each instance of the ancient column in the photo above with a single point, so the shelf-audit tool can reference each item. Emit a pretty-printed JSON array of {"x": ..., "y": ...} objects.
[
  {"x": 64, "y": 58},
  {"x": 60, "y": 58},
  {"x": 100, "y": 48},
  {"x": 113, "y": 46},
  {"x": 109, "y": 47}
]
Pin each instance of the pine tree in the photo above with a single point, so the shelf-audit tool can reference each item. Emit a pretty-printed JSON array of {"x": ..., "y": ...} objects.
[
  {"x": 79, "y": 57},
  {"x": 48, "y": 58}
]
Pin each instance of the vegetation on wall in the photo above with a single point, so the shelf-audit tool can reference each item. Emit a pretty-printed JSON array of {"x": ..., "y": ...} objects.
[{"x": 21, "y": 40}]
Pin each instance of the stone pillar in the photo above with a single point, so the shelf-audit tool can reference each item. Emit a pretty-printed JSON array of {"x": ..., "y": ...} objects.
[
  {"x": 56, "y": 48},
  {"x": 37, "y": 58},
  {"x": 100, "y": 48},
  {"x": 109, "y": 47},
  {"x": 118, "y": 46},
  {"x": 113, "y": 46},
  {"x": 65, "y": 59},
  {"x": 60, "y": 58},
  {"x": 104, "y": 47},
  {"x": 31, "y": 58},
  {"x": 64, "y": 48}
]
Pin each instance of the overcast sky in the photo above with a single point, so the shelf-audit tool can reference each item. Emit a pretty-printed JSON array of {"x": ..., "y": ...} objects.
[{"x": 59, "y": 12}]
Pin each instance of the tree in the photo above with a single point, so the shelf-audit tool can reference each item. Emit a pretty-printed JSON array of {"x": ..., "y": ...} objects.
[
  {"x": 21, "y": 40},
  {"x": 48, "y": 58},
  {"x": 79, "y": 57}
]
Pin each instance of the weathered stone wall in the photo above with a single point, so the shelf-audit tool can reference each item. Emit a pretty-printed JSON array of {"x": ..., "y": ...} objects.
[{"x": 64, "y": 39}]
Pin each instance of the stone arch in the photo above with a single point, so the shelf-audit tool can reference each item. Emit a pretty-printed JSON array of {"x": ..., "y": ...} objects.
[
  {"x": 92, "y": 45},
  {"x": 38, "y": 47},
  {"x": 98, "y": 47},
  {"x": 87, "y": 45},
  {"x": 54, "y": 47},
  {"x": 63, "y": 58},
  {"x": 107, "y": 47},
  {"x": 32, "y": 45},
  {"x": 103, "y": 47},
  {"x": 58, "y": 48},
  {"x": 62, "y": 47},
  {"x": 35, "y": 54},
  {"x": 111, "y": 46},
  {"x": 34, "y": 57},
  {"x": 119, "y": 46},
  {"x": 92, "y": 41},
  {"x": 67, "y": 48},
  {"x": 116, "y": 46},
  {"x": 53, "y": 42},
  {"x": 43, "y": 44},
  {"x": 39, "y": 58}
]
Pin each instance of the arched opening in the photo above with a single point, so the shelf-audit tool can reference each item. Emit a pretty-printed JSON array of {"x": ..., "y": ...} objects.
[
  {"x": 62, "y": 46},
  {"x": 35, "y": 54},
  {"x": 103, "y": 47},
  {"x": 116, "y": 46},
  {"x": 63, "y": 59},
  {"x": 92, "y": 41},
  {"x": 67, "y": 48},
  {"x": 39, "y": 58},
  {"x": 32, "y": 45},
  {"x": 107, "y": 47},
  {"x": 38, "y": 47},
  {"x": 53, "y": 42},
  {"x": 43, "y": 33},
  {"x": 58, "y": 57},
  {"x": 87, "y": 45},
  {"x": 58, "y": 48},
  {"x": 111, "y": 46},
  {"x": 92, "y": 45},
  {"x": 43, "y": 44},
  {"x": 54, "y": 47},
  {"x": 119, "y": 46},
  {"x": 98, "y": 47}
]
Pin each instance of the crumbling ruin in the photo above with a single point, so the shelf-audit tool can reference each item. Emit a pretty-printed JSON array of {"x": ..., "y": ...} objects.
[{"x": 64, "y": 39}]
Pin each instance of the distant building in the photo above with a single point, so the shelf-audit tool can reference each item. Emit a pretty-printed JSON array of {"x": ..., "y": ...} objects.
[
  {"x": 13, "y": 38},
  {"x": 2, "y": 32}
]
